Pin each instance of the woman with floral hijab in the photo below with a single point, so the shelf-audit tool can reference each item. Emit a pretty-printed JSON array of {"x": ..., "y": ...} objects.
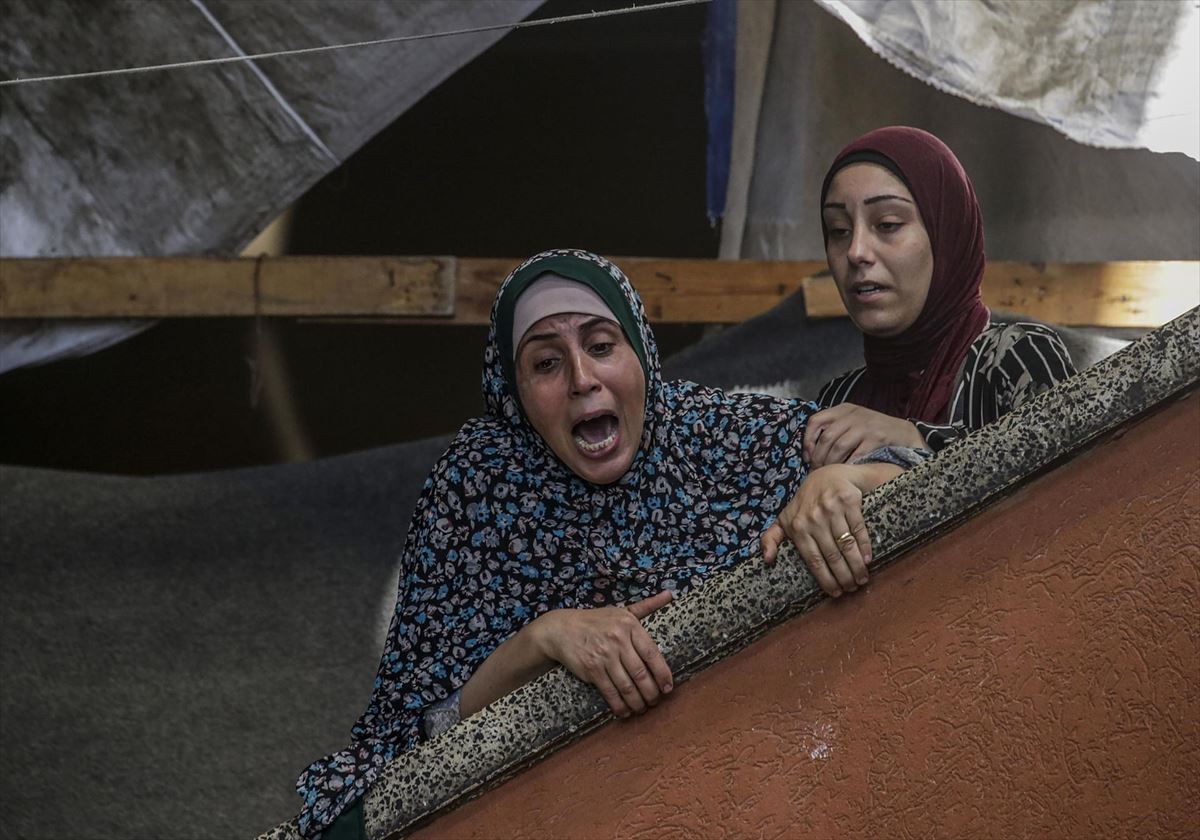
[{"x": 590, "y": 494}]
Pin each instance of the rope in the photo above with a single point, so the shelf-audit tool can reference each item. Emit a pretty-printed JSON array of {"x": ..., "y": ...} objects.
[
  {"x": 124, "y": 71},
  {"x": 300, "y": 122},
  {"x": 256, "y": 361}
]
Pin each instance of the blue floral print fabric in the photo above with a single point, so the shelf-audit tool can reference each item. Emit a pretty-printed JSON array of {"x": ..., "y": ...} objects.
[{"x": 504, "y": 532}]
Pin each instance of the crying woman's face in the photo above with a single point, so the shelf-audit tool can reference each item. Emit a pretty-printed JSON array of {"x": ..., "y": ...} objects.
[{"x": 583, "y": 389}]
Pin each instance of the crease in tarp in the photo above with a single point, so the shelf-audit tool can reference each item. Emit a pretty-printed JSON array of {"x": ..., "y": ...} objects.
[{"x": 301, "y": 123}]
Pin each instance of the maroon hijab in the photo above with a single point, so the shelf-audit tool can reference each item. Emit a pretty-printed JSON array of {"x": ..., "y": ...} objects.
[{"x": 911, "y": 375}]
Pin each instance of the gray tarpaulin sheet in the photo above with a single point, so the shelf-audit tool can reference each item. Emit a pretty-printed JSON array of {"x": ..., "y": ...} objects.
[
  {"x": 807, "y": 85},
  {"x": 197, "y": 160}
]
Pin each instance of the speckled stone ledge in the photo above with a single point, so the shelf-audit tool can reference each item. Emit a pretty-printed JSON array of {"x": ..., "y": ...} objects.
[{"x": 731, "y": 611}]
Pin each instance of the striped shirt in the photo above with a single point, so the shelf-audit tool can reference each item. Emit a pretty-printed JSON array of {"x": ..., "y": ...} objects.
[{"x": 1006, "y": 366}]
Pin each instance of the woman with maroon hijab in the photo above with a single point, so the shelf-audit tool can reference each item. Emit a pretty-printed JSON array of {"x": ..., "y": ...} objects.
[{"x": 904, "y": 241}]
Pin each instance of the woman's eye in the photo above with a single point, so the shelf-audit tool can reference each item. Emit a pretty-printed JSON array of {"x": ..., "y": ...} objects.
[
  {"x": 838, "y": 232},
  {"x": 602, "y": 348},
  {"x": 889, "y": 227},
  {"x": 544, "y": 365}
]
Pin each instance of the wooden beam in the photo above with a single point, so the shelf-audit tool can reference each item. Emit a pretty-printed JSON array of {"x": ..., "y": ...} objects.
[
  {"x": 154, "y": 287},
  {"x": 451, "y": 290},
  {"x": 1115, "y": 294},
  {"x": 459, "y": 290},
  {"x": 674, "y": 291}
]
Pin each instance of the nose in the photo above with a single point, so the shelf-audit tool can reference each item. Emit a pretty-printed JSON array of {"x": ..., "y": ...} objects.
[
  {"x": 583, "y": 378},
  {"x": 859, "y": 250}
]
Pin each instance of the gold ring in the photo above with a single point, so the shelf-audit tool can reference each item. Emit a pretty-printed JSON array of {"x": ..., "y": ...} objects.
[{"x": 846, "y": 538}]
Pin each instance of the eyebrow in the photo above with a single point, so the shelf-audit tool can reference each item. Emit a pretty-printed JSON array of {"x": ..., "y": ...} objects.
[
  {"x": 886, "y": 197},
  {"x": 537, "y": 337},
  {"x": 589, "y": 324},
  {"x": 875, "y": 199},
  {"x": 598, "y": 321}
]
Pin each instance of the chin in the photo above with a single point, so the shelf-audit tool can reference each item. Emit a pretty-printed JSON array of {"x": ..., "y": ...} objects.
[
  {"x": 877, "y": 327},
  {"x": 602, "y": 473}
]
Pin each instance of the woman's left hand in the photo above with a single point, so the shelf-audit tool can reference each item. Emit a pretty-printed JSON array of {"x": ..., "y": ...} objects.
[
  {"x": 824, "y": 521},
  {"x": 847, "y": 432}
]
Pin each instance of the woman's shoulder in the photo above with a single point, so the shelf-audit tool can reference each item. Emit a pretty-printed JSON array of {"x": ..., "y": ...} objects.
[
  {"x": 733, "y": 430},
  {"x": 1011, "y": 332},
  {"x": 692, "y": 396},
  {"x": 484, "y": 447},
  {"x": 1026, "y": 344},
  {"x": 837, "y": 390},
  {"x": 1019, "y": 352}
]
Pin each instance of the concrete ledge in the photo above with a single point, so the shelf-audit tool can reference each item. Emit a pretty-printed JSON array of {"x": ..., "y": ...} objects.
[{"x": 731, "y": 611}]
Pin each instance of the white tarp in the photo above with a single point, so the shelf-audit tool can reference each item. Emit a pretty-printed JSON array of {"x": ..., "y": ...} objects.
[
  {"x": 807, "y": 85},
  {"x": 1110, "y": 73}
]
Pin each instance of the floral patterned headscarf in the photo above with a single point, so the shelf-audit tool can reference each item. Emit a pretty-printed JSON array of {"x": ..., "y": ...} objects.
[{"x": 504, "y": 531}]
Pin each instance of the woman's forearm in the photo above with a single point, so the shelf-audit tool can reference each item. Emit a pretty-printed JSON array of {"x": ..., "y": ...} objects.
[
  {"x": 520, "y": 659},
  {"x": 869, "y": 476}
]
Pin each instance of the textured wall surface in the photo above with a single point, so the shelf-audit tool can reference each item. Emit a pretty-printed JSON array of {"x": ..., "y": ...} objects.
[{"x": 1034, "y": 672}]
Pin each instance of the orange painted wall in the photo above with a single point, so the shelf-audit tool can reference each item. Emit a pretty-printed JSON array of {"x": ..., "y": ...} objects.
[{"x": 1035, "y": 672}]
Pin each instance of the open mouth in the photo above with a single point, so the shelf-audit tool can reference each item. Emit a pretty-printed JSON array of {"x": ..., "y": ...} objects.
[
  {"x": 597, "y": 433},
  {"x": 866, "y": 289}
]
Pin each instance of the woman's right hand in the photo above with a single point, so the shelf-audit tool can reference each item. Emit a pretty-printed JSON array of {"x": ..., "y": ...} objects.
[
  {"x": 847, "y": 432},
  {"x": 609, "y": 648},
  {"x": 824, "y": 521}
]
